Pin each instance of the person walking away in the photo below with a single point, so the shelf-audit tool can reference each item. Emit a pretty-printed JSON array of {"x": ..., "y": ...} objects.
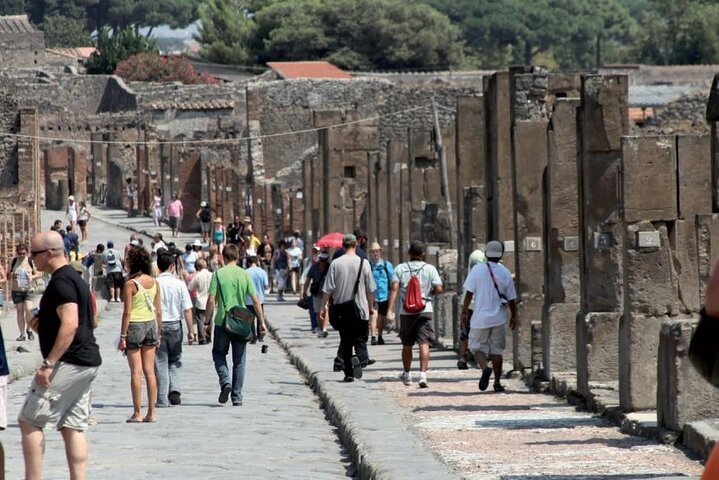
[
  {"x": 422, "y": 281},
  {"x": 83, "y": 217},
  {"x": 95, "y": 260},
  {"x": 295, "y": 254},
  {"x": 200, "y": 285},
  {"x": 140, "y": 331},
  {"x": 475, "y": 258},
  {"x": 281, "y": 268},
  {"x": 71, "y": 213},
  {"x": 382, "y": 271},
  {"x": 493, "y": 287},
  {"x": 204, "y": 215},
  {"x": 22, "y": 273},
  {"x": 304, "y": 282},
  {"x": 176, "y": 305},
  {"x": 112, "y": 261},
  {"x": 157, "y": 207},
  {"x": 313, "y": 284},
  {"x": 60, "y": 390},
  {"x": 72, "y": 238},
  {"x": 230, "y": 287},
  {"x": 265, "y": 251},
  {"x": 218, "y": 234},
  {"x": 214, "y": 259},
  {"x": 361, "y": 245},
  {"x": 175, "y": 212},
  {"x": 130, "y": 195},
  {"x": 349, "y": 282},
  {"x": 259, "y": 282}
]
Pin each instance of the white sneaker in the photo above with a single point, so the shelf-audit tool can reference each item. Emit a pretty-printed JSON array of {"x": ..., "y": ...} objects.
[
  {"x": 406, "y": 378},
  {"x": 423, "y": 380}
]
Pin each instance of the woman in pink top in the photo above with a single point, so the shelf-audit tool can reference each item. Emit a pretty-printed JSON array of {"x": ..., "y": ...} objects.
[{"x": 175, "y": 212}]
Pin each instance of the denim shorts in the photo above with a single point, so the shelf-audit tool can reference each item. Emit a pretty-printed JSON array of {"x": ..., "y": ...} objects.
[
  {"x": 20, "y": 297},
  {"x": 141, "y": 334}
]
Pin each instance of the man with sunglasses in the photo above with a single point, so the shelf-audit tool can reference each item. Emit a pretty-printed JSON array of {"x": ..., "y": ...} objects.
[{"x": 60, "y": 391}]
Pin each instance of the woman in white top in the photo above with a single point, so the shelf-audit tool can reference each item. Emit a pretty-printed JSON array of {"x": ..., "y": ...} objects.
[
  {"x": 157, "y": 207},
  {"x": 71, "y": 211},
  {"x": 83, "y": 217},
  {"x": 295, "y": 254}
]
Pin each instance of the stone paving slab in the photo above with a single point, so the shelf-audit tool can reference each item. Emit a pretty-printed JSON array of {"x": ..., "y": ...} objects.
[
  {"x": 280, "y": 432},
  {"x": 519, "y": 435}
]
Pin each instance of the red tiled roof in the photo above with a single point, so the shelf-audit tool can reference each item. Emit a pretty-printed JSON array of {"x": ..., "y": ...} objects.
[{"x": 289, "y": 70}]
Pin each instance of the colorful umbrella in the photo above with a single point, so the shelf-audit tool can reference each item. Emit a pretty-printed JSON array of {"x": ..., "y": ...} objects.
[{"x": 331, "y": 240}]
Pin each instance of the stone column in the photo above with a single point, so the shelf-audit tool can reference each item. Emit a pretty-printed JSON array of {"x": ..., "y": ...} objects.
[
  {"x": 603, "y": 119},
  {"x": 529, "y": 162},
  {"x": 649, "y": 208},
  {"x": 561, "y": 254}
]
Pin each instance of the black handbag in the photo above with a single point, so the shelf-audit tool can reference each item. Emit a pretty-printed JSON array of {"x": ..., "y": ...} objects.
[
  {"x": 704, "y": 348},
  {"x": 303, "y": 303},
  {"x": 239, "y": 321},
  {"x": 345, "y": 313}
]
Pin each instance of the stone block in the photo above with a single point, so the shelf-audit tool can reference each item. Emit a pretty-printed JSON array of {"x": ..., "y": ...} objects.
[
  {"x": 559, "y": 338},
  {"x": 638, "y": 350},
  {"x": 649, "y": 182},
  {"x": 694, "y": 169},
  {"x": 650, "y": 285},
  {"x": 536, "y": 328},
  {"x": 605, "y": 117},
  {"x": 683, "y": 239},
  {"x": 444, "y": 314},
  {"x": 597, "y": 349},
  {"x": 682, "y": 395},
  {"x": 326, "y": 118},
  {"x": 701, "y": 436}
]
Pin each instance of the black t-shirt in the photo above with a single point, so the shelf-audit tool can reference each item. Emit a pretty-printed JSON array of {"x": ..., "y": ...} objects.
[{"x": 66, "y": 286}]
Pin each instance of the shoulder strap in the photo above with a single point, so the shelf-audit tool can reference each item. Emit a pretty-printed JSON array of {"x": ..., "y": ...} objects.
[
  {"x": 494, "y": 281},
  {"x": 386, "y": 271},
  {"x": 359, "y": 273}
]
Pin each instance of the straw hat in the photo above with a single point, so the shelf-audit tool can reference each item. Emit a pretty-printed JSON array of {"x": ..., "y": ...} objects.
[
  {"x": 218, "y": 220},
  {"x": 375, "y": 246}
]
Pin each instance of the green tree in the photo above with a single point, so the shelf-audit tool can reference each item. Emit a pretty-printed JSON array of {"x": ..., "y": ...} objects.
[
  {"x": 113, "y": 49},
  {"x": 64, "y": 32},
  {"x": 225, "y": 32},
  {"x": 12, "y": 7}
]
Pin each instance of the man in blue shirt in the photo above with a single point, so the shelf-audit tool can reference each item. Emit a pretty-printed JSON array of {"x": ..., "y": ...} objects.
[
  {"x": 382, "y": 270},
  {"x": 260, "y": 281}
]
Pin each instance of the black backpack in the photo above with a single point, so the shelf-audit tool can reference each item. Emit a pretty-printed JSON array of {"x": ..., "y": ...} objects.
[{"x": 205, "y": 214}]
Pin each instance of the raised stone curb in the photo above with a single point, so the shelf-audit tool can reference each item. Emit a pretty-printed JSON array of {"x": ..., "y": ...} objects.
[{"x": 373, "y": 429}]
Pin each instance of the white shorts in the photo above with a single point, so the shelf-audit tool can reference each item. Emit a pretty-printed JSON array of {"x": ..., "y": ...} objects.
[{"x": 490, "y": 341}]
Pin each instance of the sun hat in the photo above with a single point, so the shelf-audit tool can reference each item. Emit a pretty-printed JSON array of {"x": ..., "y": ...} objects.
[
  {"x": 197, "y": 243},
  {"x": 218, "y": 219},
  {"x": 375, "y": 246}
]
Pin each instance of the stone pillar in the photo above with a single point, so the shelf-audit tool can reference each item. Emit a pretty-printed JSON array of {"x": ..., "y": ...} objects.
[
  {"x": 396, "y": 169},
  {"x": 471, "y": 172},
  {"x": 682, "y": 395},
  {"x": 308, "y": 192},
  {"x": 529, "y": 163},
  {"x": 561, "y": 254},
  {"x": 29, "y": 158},
  {"x": 500, "y": 189},
  {"x": 603, "y": 119},
  {"x": 649, "y": 207}
]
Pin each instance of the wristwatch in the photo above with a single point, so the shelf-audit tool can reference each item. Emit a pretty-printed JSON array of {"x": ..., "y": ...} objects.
[{"x": 46, "y": 364}]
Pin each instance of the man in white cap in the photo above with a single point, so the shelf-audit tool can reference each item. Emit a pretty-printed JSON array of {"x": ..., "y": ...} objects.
[{"x": 492, "y": 285}]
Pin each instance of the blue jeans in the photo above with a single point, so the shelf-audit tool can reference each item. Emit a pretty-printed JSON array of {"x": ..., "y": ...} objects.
[
  {"x": 313, "y": 314},
  {"x": 220, "y": 348},
  {"x": 168, "y": 362}
]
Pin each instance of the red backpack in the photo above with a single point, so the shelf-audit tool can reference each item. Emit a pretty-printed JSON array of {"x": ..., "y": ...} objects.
[{"x": 413, "y": 300}]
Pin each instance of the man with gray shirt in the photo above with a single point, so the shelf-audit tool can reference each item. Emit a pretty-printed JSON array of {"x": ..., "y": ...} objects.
[
  {"x": 112, "y": 261},
  {"x": 349, "y": 286}
]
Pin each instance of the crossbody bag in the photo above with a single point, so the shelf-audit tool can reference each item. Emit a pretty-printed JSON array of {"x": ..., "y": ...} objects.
[
  {"x": 239, "y": 321},
  {"x": 346, "y": 312},
  {"x": 502, "y": 298}
]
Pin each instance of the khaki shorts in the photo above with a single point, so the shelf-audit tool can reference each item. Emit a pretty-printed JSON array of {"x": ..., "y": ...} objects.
[
  {"x": 65, "y": 403},
  {"x": 491, "y": 341}
]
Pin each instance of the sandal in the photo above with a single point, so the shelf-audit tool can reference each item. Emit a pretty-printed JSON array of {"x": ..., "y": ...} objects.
[
  {"x": 21, "y": 338},
  {"x": 499, "y": 388},
  {"x": 133, "y": 420},
  {"x": 30, "y": 335},
  {"x": 149, "y": 420}
]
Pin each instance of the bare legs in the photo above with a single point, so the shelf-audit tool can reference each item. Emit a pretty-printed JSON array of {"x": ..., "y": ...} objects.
[
  {"x": 497, "y": 361},
  {"x": 23, "y": 312},
  {"x": 423, "y": 357},
  {"x": 76, "y": 452},
  {"x": 33, "y": 448},
  {"x": 141, "y": 362}
]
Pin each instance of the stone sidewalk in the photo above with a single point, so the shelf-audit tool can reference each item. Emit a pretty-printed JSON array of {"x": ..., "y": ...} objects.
[{"x": 512, "y": 436}]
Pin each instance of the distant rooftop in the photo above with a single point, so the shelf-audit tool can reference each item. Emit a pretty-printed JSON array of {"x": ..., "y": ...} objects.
[
  {"x": 16, "y": 24},
  {"x": 320, "y": 70},
  {"x": 658, "y": 95},
  {"x": 79, "y": 53}
]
